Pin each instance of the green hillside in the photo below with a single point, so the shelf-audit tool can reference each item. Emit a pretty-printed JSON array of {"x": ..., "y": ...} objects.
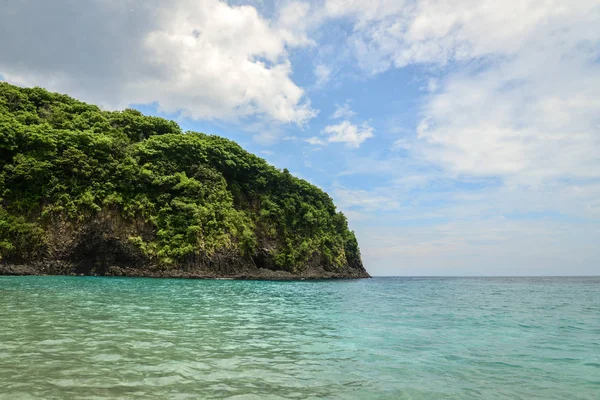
[{"x": 100, "y": 192}]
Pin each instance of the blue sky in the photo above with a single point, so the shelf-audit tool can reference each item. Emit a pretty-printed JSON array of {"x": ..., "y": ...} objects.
[{"x": 459, "y": 137}]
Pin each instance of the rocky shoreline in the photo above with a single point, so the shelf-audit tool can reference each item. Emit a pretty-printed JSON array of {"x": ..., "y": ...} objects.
[{"x": 55, "y": 268}]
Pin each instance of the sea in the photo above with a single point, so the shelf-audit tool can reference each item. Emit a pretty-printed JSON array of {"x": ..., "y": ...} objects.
[{"x": 380, "y": 338}]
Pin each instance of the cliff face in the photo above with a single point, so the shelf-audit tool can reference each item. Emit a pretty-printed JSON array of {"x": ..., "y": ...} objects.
[{"x": 84, "y": 191}]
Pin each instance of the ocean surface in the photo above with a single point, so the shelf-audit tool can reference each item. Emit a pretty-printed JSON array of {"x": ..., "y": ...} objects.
[{"x": 381, "y": 338}]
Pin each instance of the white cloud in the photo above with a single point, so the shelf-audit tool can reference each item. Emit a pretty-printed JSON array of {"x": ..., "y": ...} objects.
[
  {"x": 363, "y": 200},
  {"x": 207, "y": 59},
  {"x": 343, "y": 111},
  {"x": 515, "y": 122},
  {"x": 523, "y": 105},
  {"x": 402, "y": 144},
  {"x": 432, "y": 85},
  {"x": 398, "y": 33},
  {"x": 346, "y": 132},
  {"x": 293, "y": 22},
  {"x": 315, "y": 141},
  {"x": 323, "y": 74}
]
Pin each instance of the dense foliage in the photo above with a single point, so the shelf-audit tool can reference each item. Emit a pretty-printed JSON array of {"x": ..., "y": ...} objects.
[{"x": 64, "y": 159}]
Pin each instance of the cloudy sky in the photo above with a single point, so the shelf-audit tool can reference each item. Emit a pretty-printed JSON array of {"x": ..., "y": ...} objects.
[{"x": 460, "y": 137}]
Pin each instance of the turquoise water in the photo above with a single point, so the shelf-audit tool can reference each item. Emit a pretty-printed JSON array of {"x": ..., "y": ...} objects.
[{"x": 382, "y": 338}]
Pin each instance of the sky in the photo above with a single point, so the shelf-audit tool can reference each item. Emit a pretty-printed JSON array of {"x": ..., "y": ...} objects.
[{"x": 459, "y": 137}]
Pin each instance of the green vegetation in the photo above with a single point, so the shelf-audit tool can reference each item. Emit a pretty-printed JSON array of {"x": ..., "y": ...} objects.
[{"x": 184, "y": 195}]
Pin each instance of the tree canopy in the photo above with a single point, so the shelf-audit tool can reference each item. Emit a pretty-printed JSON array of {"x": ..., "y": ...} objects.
[{"x": 197, "y": 194}]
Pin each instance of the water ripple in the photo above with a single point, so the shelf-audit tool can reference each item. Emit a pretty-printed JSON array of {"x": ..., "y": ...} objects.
[{"x": 96, "y": 338}]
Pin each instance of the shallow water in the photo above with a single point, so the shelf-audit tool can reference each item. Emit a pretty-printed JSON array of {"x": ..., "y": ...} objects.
[{"x": 388, "y": 338}]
